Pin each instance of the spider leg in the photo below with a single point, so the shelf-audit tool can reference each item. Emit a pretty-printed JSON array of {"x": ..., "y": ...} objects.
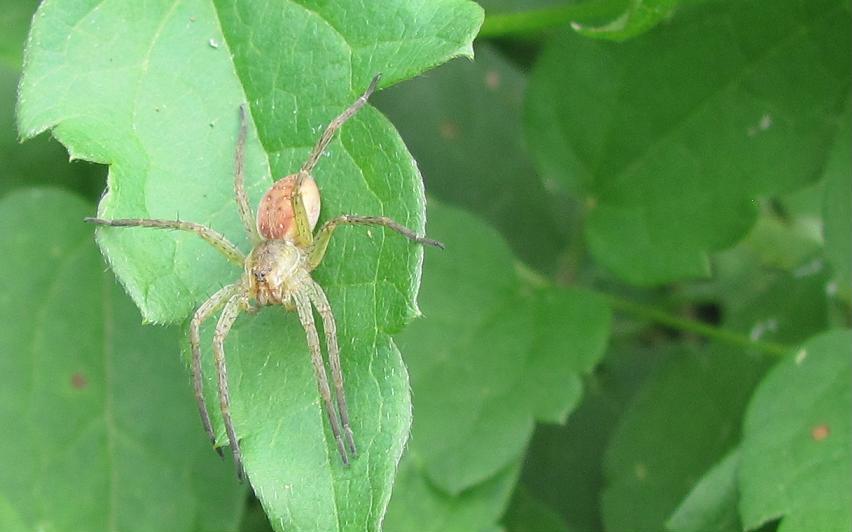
[
  {"x": 303, "y": 307},
  {"x": 317, "y": 251},
  {"x": 239, "y": 181},
  {"x": 303, "y": 238},
  {"x": 206, "y": 309},
  {"x": 214, "y": 238},
  {"x": 332, "y": 128},
  {"x": 320, "y": 301},
  {"x": 223, "y": 327}
]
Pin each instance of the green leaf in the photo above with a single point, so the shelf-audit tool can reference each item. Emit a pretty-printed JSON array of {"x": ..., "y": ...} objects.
[
  {"x": 795, "y": 451},
  {"x": 711, "y": 506},
  {"x": 42, "y": 161},
  {"x": 418, "y": 505},
  {"x": 158, "y": 101},
  {"x": 563, "y": 467},
  {"x": 15, "y": 16},
  {"x": 492, "y": 350},
  {"x": 528, "y": 514},
  {"x": 106, "y": 436},
  {"x": 780, "y": 308},
  {"x": 466, "y": 135},
  {"x": 160, "y": 105},
  {"x": 837, "y": 207},
  {"x": 670, "y": 162},
  {"x": 9, "y": 518},
  {"x": 684, "y": 419},
  {"x": 638, "y": 17}
]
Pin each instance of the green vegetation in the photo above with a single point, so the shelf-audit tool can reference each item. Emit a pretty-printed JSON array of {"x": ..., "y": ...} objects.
[{"x": 640, "y": 321}]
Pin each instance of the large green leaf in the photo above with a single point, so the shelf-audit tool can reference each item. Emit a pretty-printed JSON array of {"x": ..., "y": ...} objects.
[
  {"x": 419, "y": 506},
  {"x": 670, "y": 162},
  {"x": 564, "y": 464},
  {"x": 683, "y": 420},
  {"x": 466, "y": 134},
  {"x": 157, "y": 99},
  {"x": 105, "y": 435},
  {"x": 711, "y": 506},
  {"x": 491, "y": 355},
  {"x": 795, "y": 457}
]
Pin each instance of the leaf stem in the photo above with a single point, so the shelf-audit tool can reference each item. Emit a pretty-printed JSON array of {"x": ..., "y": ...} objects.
[
  {"x": 533, "y": 20},
  {"x": 697, "y": 327},
  {"x": 662, "y": 317}
]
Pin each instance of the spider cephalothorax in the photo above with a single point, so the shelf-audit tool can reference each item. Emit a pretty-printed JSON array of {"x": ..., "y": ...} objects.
[{"x": 277, "y": 272}]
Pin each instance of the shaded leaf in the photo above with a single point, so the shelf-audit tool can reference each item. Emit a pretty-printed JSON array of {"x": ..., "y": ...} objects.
[
  {"x": 463, "y": 125},
  {"x": 564, "y": 464},
  {"x": 492, "y": 354},
  {"x": 42, "y": 161},
  {"x": 106, "y": 435},
  {"x": 711, "y": 506},
  {"x": 795, "y": 457},
  {"x": 683, "y": 420},
  {"x": 837, "y": 207},
  {"x": 528, "y": 514},
  {"x": 786, "y": 308},
  {"x": 159, "y": 104},
  {"x": 15, "y": 18},
  {"x": 670, "y": 162},
  {"x": 418, "y": 505}
]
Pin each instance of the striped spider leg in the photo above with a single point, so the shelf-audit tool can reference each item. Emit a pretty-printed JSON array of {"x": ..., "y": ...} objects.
[{"x": 277, "y": 272}]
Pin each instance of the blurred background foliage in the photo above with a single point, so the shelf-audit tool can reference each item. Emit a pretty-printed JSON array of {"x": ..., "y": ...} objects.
[{"x": 637, "y": 323}]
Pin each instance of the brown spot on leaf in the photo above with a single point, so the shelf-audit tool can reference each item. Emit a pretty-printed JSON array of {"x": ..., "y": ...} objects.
[
  {"x": 79, "y": 381},
  {"x": 449, "y": 130},
  {"x": 492, "y": 79},
  {"x": 820, "y": 432}
]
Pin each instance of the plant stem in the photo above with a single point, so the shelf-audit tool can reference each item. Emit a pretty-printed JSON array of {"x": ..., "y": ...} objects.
[
  {"x": 507, "y": 24},
  {"x": 709, "y": 331}
]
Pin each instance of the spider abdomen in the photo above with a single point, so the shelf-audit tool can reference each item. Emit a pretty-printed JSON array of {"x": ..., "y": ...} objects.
[{"x": 275, "y": 217}]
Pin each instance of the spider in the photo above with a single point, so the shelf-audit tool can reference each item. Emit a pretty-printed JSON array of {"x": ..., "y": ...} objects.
[{"x": 277, "y": 272}]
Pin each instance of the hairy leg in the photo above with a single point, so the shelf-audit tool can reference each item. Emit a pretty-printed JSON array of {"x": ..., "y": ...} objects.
[
  {"x": 214, "y": 238},
  {"x": 320, "y": 301},
  {"x": 223, "y": 327},
  {"x": 239, "y": 181},
  {"x": 206, "y": 309},
  {"x": 304, "y": 237},
  {"x": 303, "y": 307},
  {"x": 323, "y": 236},
  {"x": 332, "y": 128}
]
